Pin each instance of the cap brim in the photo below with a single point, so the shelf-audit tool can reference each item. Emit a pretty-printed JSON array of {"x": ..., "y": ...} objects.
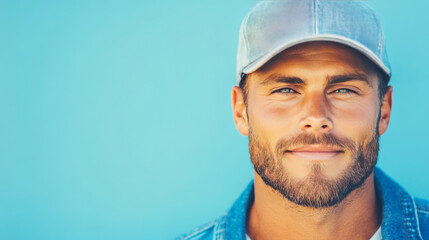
[{"x": 259, "y": 62}]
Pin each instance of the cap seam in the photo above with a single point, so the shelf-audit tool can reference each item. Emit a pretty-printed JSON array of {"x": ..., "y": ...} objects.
[
  {"x": 246, "y": 41},
  {"x": 316, "y": 18},
  {"x": 381, "y": 34},
  {"x": 417, "y": 217}
]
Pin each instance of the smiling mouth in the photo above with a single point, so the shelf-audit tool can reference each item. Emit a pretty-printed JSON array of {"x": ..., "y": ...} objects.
[{"x": 315, "y": 152}]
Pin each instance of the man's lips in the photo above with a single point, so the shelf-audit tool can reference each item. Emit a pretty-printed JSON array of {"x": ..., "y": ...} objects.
[{"x": 315, "y": 152}]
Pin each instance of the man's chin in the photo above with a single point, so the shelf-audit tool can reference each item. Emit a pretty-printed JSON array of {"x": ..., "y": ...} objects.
[
  {"x": 307, "y": 169},
  {"x": 317, "y": 189}
]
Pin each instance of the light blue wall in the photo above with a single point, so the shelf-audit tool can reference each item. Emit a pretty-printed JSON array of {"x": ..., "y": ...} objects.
[{"x": 116, "y": 119}]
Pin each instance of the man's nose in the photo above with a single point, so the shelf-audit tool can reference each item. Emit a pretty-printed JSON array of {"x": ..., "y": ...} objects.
[{"x": 315, "y": 117}]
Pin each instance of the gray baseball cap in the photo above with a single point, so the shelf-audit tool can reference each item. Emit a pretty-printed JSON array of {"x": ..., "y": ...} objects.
[{"x": 273, "y": 26}]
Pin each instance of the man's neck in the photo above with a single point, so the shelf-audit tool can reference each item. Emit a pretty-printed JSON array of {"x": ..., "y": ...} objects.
[{"x": 273, "y": 217}]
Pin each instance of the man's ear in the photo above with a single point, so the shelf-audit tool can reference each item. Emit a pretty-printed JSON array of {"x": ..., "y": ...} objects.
[
  {"x": 385, "y": 110},
  {"x": 239, "y": 111}
]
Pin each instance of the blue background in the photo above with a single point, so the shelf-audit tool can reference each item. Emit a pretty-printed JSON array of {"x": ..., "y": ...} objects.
[{"x": 116, "y": 120}]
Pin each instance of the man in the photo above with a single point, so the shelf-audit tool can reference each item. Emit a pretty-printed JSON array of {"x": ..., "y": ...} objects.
[{"x": 313, "y": 97}]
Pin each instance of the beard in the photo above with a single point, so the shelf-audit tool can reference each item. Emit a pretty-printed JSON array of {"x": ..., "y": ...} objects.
[{"x": 315, "y": 190}]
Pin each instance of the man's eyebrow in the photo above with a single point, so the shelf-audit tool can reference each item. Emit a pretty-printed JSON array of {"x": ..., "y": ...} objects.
[
  {"x": 348, "y": 77},
  {"x": 276, "y": 78}
]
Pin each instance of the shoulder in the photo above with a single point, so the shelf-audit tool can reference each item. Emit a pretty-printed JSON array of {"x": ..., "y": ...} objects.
[
  {"x": 212, "y": 230},
  {"x": 231, "y": 225},
  {"x": 422, "y": 207}
]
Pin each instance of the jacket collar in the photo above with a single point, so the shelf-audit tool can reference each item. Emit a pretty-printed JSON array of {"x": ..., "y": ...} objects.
[
  {"x": 399, "y": 214},
  {"x": 400, "y": 220}
]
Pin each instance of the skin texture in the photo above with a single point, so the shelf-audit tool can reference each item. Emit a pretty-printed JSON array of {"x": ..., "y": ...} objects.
[{"x": 293, "y": 103}]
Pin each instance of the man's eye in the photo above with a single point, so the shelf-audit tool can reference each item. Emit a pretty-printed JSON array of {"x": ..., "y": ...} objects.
[
  {"x": 285, "y": 91},
  {"x": 343, "y": 91}
]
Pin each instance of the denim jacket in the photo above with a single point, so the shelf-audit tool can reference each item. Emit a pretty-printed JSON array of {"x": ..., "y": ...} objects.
[{"x": 403, "y": 217}]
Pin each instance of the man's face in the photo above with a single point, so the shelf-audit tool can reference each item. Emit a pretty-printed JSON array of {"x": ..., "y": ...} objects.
[{"x": 313, "y": 116}]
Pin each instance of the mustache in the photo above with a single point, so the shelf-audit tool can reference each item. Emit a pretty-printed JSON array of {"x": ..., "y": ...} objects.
[{"x": 306, "y": 139}]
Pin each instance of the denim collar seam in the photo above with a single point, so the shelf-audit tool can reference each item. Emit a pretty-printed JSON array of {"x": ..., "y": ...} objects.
[
  {"x": 409, "y": 216},
  {"x": 423, "y": 211},
  {"x": 224, "y": 222},
  {"x": 200, "y": 230},
  {"x": 417, "y": 218},
  {"x": 219, "y": 229}
]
